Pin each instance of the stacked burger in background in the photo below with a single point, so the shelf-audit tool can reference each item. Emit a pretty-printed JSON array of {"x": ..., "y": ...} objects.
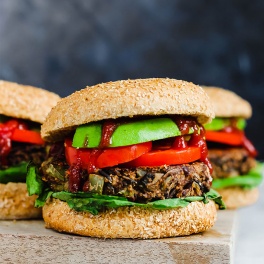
[
  {"x": 22, "y": 110},
  {"x": 128, "y": 159},
  {"x": 236, "y": 172}
]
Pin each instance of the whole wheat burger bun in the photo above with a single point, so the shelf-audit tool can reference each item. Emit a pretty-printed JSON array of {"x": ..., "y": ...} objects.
[
  {"x": 131, "y": 222},
  {"x": 227, "y": 103},
  {"x": 15, "y": 203},
  {"x": 26, "y": 102},
  {"x": 127, "y": 98},
  {"x": 30, "y": 103},
  {"x": 236, "y": 197}
]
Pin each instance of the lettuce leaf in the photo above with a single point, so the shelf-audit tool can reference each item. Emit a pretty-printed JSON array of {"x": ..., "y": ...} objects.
[
  {"x": 34, "y": 182},
  {"x": 14, "y": 174},
  {"x": 43, "y": 197},
  {"x": 95, "y": 203},
  {"x": 248, "y": 181}
]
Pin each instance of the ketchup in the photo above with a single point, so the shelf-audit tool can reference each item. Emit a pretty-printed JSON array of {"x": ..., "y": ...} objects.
[
  {"x": 93, "y": 157},
  {"x": 109, "y": 127},
  {"x": 75, "y": 177},
  {"x": 246, "y": 143},
  {"x": 184, "y": 124},
  {"x": 197, "y": 138},
  {"x": 6, "y": 131},
  {"x": 179, "y": 143}
]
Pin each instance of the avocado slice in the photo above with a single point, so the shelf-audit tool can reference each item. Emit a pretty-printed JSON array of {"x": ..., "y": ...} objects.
[
  {"x": 89, "y": 135},
  {"x": 221, "y": 123}
]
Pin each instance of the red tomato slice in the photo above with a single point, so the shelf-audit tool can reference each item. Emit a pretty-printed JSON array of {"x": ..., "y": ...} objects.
[
  {"x": 73, "y": 154},
  {"x": 23, "y": 135},
  {"x": 96, "y": 158},
  {"x": 231, "y": 138},
  {"x": 167, "y": 157},
  {"x": 114, "y": 156},
  {"x": 70, "y": 152}
]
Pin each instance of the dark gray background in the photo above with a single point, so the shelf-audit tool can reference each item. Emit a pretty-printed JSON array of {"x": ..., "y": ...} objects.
[{"x": 65, "y": 45}]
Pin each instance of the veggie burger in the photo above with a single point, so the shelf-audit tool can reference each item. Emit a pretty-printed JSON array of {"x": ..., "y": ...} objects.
[
  {"x": 128, "y": 160},
  {"x": 22, "y": 109},
  {"x": 236, "y": 173}
]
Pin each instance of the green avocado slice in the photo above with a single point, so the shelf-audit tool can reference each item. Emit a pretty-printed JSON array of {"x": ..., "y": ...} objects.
[
  {"x": 220, "y": 123},
  {"x": 89, "y": 135}
]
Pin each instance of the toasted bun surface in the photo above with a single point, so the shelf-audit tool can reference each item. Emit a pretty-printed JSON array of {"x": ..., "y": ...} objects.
[
  {"x": 227, "y": 103},
  {"x": 15, "y": 202},
  {"x": 27, "y": 102},
  {"x": 131, "y": 222},
  {"x": 236, "y": 197},
  {"x": 127, "y": 98}
]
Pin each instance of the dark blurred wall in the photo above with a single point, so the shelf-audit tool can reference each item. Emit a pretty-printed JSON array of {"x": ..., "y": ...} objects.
[{"x": 65, "y": 45}]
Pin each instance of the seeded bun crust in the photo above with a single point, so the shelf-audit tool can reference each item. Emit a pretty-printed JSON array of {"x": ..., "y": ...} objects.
[
  {"x": 15, "y": 202},
  {"x": 131, "y": 222},
  {"x": 26, "y": 102},
  {"x": 236, "y": 197},
  {"x": 227, "y": 103},
  {"x": 127, "y": 98}
]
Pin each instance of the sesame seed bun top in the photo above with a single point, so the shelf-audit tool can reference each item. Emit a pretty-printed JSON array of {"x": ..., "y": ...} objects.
[
  {"x": 26, "y": 102},
  {"x": 227, "y": 103},
  {"x": 127, "y": 98}
]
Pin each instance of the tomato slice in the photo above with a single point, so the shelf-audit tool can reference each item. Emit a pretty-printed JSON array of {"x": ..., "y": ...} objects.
[
  {"x": 167, "y": 157},
  {"x": 114, "y": 156},
  {"x": 28, "y": 136},
  {"x": 96, "y": 158},
  {"x": 73, "y": 155},
  {"x": 230, "y": 138}
]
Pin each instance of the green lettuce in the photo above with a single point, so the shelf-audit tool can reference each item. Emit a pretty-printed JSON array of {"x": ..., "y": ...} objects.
[
  {"x": 35, "y": 185},
  {"x": 15, "y": 173},
  {"x": 251, "y": 180},
  {"x": 34, "y": 182},
  {"x": 95, "y": 203}
]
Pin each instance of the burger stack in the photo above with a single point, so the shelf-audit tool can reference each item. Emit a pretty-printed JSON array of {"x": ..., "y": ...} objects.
[
  {"x": 128, "y": 159},
  {"x": 236, "y": 172},
  {"x": 22, "y": 110}
]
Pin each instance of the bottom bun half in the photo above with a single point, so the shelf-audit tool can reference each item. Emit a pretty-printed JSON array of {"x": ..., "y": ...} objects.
[
  {"x": 236, "y": 197},
  {"x": 15, "y": 203},
  {"x": 131, "y": 222}
]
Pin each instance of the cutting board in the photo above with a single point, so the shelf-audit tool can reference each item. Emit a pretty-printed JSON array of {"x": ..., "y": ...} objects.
[{"x": 31, "y": 242}]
